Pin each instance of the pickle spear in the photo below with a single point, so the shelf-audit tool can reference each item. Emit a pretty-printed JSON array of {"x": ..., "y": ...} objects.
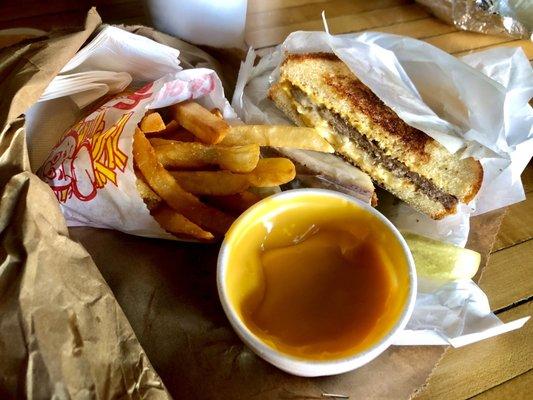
[{"x": 440, "y": 260}]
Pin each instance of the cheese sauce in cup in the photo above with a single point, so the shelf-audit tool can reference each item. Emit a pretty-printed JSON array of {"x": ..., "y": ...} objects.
[{"x": 315, "y": 282}]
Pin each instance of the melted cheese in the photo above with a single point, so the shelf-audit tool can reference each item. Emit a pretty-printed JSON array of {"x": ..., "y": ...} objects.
[{"x": 315, "y": 277}]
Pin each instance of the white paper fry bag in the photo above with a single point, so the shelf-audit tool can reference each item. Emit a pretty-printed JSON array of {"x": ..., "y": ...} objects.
[
  {"x": 477, "y": 106},
  {"x": 90, "y": 168}
]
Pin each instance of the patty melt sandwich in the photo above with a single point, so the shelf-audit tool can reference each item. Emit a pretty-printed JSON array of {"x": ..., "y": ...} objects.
[{"x": 318, "y": 90}]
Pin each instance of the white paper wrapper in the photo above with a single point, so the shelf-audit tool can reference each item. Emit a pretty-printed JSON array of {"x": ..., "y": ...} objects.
[
  {"x": 455, "y": 312},
  {"x": 90, "y": 169},
  {"x": 477, "y": 106}
]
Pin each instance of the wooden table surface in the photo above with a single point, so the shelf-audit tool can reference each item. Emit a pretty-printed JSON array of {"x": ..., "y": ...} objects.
[{"x": 497, "y": 368}]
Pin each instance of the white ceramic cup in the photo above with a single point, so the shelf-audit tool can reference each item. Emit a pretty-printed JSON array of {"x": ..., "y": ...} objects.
[{"x": 306, "y": 367}]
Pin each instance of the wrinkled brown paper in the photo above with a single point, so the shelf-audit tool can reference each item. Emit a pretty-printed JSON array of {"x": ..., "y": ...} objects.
[{"x": 64, "y": 334}]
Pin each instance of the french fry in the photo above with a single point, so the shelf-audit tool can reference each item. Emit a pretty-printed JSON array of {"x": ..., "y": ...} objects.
[
  {"x": 234, "y": 204},
  {"x": 213, "y": 183},
  {"x": 177, "y": 224},
  {"x": 217, "y": 112},
  {"x": 205, "y": 126},
  {"x": 277, "y": 136},
  {"x": 169, "y": 190},
  {"x": 152, "y": 123},
  {"x": 268, "y": 172},
  {"x": 174, "y": 155},
  {"x": 272, "y": 172},
  {"x": 150, "y": 198}
]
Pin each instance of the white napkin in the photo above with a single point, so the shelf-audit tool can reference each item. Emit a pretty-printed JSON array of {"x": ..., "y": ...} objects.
[
  {"x": 109, "y": 63},
  {"x": 85, "y": 87}
]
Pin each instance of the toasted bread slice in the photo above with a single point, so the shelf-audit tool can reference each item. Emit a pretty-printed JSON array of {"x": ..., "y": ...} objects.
[
  {"x": 401, "y": 188},
  {"x": 328, "y": 83}
]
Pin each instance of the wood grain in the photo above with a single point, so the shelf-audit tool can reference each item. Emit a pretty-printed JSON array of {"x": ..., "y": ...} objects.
[
  {"x": 470, "y": 370},
  {"x": 526, "y": 45},
  {"x": 342, "y": 24},
  {"x": 518, "y": 388},
  {"x": 293, "y": 15},
  {"x": 262, "y": 5},
  {"x": 463, "y": 41},
  {"x": 419, "y": 29},
  {"x": 507, "y": 277}
]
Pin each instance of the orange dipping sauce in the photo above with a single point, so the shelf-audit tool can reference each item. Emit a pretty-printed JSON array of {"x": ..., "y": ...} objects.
[{"x": 316, "y": 277}]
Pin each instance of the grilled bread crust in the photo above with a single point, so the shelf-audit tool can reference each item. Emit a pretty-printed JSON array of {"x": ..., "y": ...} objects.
[
  {"x": 401, "y": 188},
  {"x": 328, "y": 82}
]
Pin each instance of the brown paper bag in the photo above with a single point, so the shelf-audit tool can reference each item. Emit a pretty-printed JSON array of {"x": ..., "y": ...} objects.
[
  {"x": 168, "y": 292},
  {"x": 62, "y": 331}
]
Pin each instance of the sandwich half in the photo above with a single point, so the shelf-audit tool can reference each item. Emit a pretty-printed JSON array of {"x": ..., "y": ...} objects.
[{"x": 318, "y": 90}]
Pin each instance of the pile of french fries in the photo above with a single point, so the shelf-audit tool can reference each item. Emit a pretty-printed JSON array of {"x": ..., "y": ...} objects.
[{"x": 196, "y": 173}]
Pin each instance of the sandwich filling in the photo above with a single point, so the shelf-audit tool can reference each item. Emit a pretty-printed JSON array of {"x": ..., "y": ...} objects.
[{"x": 378, "y": 156}]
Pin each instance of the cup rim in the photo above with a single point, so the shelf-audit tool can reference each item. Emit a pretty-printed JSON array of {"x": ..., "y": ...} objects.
[{"x": 309, "y": 367}]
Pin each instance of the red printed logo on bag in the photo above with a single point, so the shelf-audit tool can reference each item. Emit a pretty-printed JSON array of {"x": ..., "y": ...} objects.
[
  {"x": 86, "y": 159},
  {"x": 88, "y": 156}
]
